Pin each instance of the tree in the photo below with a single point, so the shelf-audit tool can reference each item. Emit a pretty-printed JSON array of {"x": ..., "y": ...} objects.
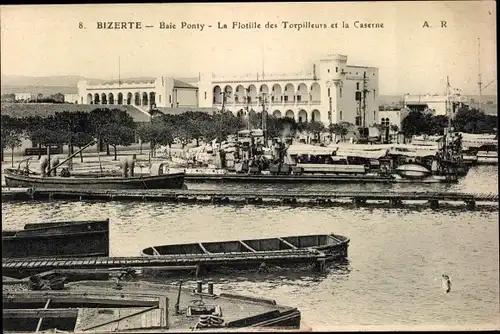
[
  {"x": 196, "y": 124},
  {"x": 339, "y": 129},
  {"x": 113, "y": 126},
  {"x": 438, "y": 124},
  {"x": 119, "y": 130},
  {"x": 157, "y": 132},
  {"x": 12, "y": 132},
  {"x": 316, "y": 128},
  {"x": 44, "y": 131},
  {"x": 474, "y": 121},
  {"x": 13, "y": 142},
  {"x": 414, "y": 124}
]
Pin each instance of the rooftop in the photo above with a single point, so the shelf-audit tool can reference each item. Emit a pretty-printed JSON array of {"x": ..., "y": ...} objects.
[{"x": 182, "y": 84}]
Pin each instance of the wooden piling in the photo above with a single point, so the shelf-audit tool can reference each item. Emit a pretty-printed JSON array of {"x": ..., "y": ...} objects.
[
  {"x": 320, "y": 264},
  {"x": 396, "y": 202},
  {"x": 434, "y": 203},
  {"x": 471, "y": 204}
]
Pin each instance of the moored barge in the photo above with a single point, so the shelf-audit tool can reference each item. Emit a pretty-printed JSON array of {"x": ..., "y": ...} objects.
[
  {"x": 18, "y": 178},
  {"x": 61, "y": 239}
]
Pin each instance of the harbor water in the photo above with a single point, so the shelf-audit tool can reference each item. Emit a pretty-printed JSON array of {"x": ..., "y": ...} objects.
[{"x": 396, "y": 256}]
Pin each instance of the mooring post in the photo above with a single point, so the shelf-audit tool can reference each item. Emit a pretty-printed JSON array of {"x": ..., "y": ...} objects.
[
  {"x": 210, "y": 288},
  {"x": 199, "y": 286},
  {"x": 396, "y": 202},
  {"x": 471, "y": 204},
  {"x": 434, "y": 203},
  {"x": 320, "y": 264},
  {"x": 359, "y": 201},
  {"x": 320, "y": 201}
]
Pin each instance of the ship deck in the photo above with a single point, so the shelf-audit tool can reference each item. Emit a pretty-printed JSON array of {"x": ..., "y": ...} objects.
[{"x": 149, "y": 306}]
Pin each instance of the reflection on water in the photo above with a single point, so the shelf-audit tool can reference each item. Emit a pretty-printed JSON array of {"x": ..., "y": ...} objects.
[
  {"x": 483, "y": 179},
  {"x": 396, "y": 256}
]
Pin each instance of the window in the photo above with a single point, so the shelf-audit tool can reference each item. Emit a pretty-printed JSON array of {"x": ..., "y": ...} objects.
[
  {"x": 374, "y": 115},
  {"x": 340, "y": 114},
  {"x": 171, "y": 99},
  {"x": 298, "y": 98},
  {"x": 358, "y": 120},
  {"x": 328, "y": 70},
  {"x": 336, "y": 70},
  {"x": 340, "y": 92},
  {"x": 328, "y": 91},
  {"x": 357, "y": 85},
  {"x": 286, "y": 98}
]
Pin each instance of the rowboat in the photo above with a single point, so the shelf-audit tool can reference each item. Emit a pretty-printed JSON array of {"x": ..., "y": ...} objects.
[
  {"x": 16, "y": 178},
  {"x": 281, "y": 249},
  {"x": 62, "y": 239}
]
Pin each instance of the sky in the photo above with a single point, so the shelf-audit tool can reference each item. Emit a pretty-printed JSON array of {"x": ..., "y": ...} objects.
[{"x": 47, "y": 40}]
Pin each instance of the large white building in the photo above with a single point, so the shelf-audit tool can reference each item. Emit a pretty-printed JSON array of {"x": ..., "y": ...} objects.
[
  {"x": 437, "y": 104},
  {"x": 334, "y": 92},
  {"x": 143, "y": 93}
]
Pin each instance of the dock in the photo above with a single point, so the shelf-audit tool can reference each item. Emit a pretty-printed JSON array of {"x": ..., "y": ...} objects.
[
  {"x": 21, "y": 267},
  {"x": 141, "y": 307},
  {"x": 290, "y": 197}
]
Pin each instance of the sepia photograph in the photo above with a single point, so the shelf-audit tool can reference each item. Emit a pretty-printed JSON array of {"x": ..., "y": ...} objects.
[{"x": 279, "y": 166}]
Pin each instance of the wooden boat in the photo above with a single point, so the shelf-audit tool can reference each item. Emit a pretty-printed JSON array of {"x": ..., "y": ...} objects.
[
  {"x": 97, "y": 306},
  {"x": 16, "y": 178},
  {"x": 61, "y": 239},
  {"x": 332, "y": 246}
]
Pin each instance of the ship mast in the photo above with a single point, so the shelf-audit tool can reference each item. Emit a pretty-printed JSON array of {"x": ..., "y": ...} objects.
[
  {"x": 364, "y": 100},
  {"x": 479, "y": 83},
  {"x": 448, "y": 104}
]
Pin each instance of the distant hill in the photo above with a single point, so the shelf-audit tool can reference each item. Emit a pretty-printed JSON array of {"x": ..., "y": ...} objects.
[
  {"x": 45, "y": 90},
  {"x": 50, "y": 81},
  {"x": 65, "y": 84}
]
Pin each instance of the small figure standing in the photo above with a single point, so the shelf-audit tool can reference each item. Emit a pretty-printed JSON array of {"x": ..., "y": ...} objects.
[{"x": 446, "y": 283}]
